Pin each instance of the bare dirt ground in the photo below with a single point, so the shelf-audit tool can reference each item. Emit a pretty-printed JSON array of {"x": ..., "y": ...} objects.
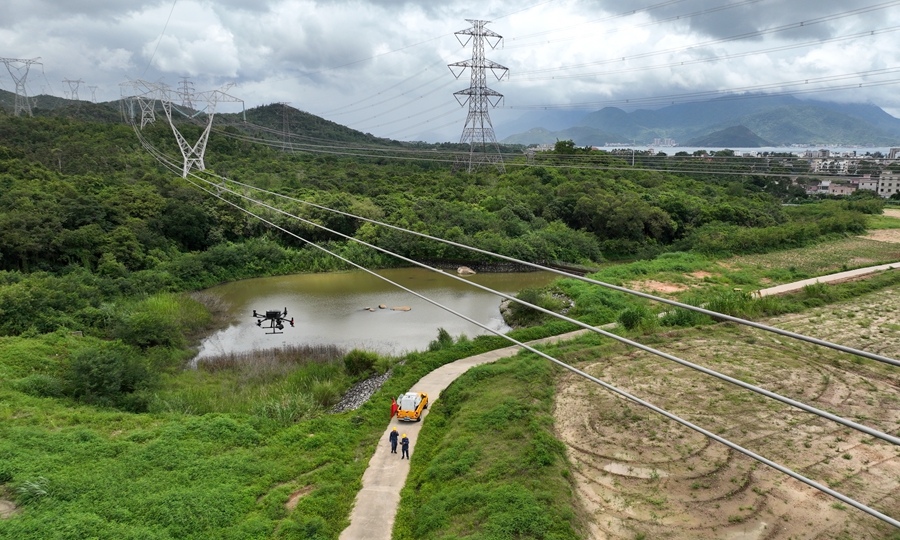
[
  {"x": 653, "y": 286},
  {"x": 892, "y": 212},
  {"x": 7, "y": 508},
  {"x": 641, "y": 476},
  {"x": 884, "y": 235}
]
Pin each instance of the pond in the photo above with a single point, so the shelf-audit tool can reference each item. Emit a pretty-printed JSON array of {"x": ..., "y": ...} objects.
[{"x": 330, "y": 308}]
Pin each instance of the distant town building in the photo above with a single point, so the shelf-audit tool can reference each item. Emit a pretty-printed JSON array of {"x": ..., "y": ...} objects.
[
  {"x": 894, "y": 153},
  {"x": 888, "y": 184},
  {"x": 867, "y": 182},
  {"x": 841, "y": 189},
  {"x": 664, "y": 142}
]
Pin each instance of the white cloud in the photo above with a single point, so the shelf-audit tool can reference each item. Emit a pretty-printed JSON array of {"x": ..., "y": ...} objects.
[{"x": 319, "y": 55}]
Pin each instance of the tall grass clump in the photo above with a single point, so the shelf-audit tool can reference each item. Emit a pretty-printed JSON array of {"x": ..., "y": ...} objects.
[
  {"x": 684, "y": 318},
  {"x": 444, "y": 340},
  {"x": 359, "y": 362},
  {"x": 161, "y": 320},
  {"x": 638, "y": 317}
]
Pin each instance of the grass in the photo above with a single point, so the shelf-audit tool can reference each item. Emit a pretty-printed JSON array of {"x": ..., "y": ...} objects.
[
  {"x": 487, "y": 463},
  {"x": 882, "y": 222},
  {"x": 217, "y": 456}
]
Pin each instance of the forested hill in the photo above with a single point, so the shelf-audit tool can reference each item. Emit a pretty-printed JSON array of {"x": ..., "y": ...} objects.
[{"x": 275, "y": 116}]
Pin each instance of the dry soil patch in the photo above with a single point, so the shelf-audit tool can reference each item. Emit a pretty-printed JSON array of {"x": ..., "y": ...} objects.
[
  {"x": 7, "y": 508},
  {"x": 892, "y": 212},
  {"x": 637, "y": 473},
  {"x": 884, "y": 235},
  {"x": 658, "y": 286}
]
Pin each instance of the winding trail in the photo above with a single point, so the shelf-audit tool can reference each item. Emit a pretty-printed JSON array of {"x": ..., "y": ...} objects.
[{"x": 376, "y": 503}]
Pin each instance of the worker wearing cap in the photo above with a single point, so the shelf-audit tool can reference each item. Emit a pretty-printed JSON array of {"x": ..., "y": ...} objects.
[
  {"x": 393, "y": 438},
  {"x": 404, "y": 446}
]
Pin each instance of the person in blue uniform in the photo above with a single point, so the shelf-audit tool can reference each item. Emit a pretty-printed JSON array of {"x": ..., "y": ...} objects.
[
  {"x": 393, "y": 438},
  {"x": 404, "y": 446}
]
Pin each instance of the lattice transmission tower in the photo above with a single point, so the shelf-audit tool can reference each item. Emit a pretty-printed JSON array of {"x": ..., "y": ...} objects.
[
  {"x": 147, "y": 93},
  {"x": 186, "y": 93},
  {"x": 73, "y": 88},
  {"x": 18, "y": 70},
  {"x": 93, "y": 90},
  {"x": 478, "y": 131}
]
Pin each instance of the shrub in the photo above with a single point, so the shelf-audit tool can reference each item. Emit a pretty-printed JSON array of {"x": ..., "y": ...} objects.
[
  {"x": 444, "y": 339},
  {"x": 358, "y": 362},
  {"x": 39, "y": 385},
  {"x": 520, "y": 315},
  {"x": 109, "y": 375}
]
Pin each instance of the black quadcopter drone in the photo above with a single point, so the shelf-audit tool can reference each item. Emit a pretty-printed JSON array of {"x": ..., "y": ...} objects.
[{"x": 276, "y": 320}]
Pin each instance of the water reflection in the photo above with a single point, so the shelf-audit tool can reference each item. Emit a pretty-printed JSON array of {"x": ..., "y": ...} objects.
[{"x": 330, "y": 309}]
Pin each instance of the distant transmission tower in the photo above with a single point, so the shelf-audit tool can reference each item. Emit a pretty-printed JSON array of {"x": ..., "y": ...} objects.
[
  {"x": 285, "y": 127},
  {"x": 73, "y": 88},
  {"x": 186, "y": 93},
  {"x": 478, "y": 131},
  {"x": 93, "y": 94},
  {"x": 15, "y": 67}
]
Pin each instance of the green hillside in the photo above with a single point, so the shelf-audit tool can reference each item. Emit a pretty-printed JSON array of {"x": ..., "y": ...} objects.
[
  {"x": 732, "y": 137},
  {"x": 816, "y": 125},
  {"x": 782, "y": 120}
]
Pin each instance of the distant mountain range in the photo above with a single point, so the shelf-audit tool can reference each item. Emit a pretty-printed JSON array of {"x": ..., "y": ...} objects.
[{"x": 766, "y": 121}]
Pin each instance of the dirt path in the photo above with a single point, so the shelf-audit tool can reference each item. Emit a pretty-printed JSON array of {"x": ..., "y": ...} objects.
[
  {"x": 831, "y": 278},
  {"x": 376, "y": 504}
]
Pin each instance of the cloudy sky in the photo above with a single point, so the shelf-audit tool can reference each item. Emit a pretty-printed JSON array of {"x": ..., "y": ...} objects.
[{"x": 380, "y": 65}]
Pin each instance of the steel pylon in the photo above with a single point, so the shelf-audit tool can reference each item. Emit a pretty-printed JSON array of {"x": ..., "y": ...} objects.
[
  {"x": 73, "y": 88},
  {"x": 478, "y": 130},
  {"x": 15, "y": 67},
  {"x": 148, "y": 93}
]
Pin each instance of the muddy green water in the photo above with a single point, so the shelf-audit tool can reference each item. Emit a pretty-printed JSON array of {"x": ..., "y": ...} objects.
[{"x": 330, "y": 309}]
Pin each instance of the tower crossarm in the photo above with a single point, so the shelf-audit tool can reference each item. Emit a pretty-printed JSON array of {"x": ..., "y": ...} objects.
[{"x": 485, "y": 64}]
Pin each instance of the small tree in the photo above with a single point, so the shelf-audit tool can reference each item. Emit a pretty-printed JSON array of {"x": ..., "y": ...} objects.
[{"x": 564, "y": 147}]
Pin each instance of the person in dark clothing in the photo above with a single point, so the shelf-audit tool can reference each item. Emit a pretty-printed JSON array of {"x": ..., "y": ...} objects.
[
  {"x": 404, "y": 446},
  {"x": 393, "y": 438}
]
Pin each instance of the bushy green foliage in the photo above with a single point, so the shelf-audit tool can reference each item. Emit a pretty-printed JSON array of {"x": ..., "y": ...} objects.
[
  {"x": 444, "y": 339},
  {"x": 358, "y": 362},
  {"x": 638, "y": 317},
  {"x": 520, "y": 315},
  {"x": 111, "y": 374}
]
